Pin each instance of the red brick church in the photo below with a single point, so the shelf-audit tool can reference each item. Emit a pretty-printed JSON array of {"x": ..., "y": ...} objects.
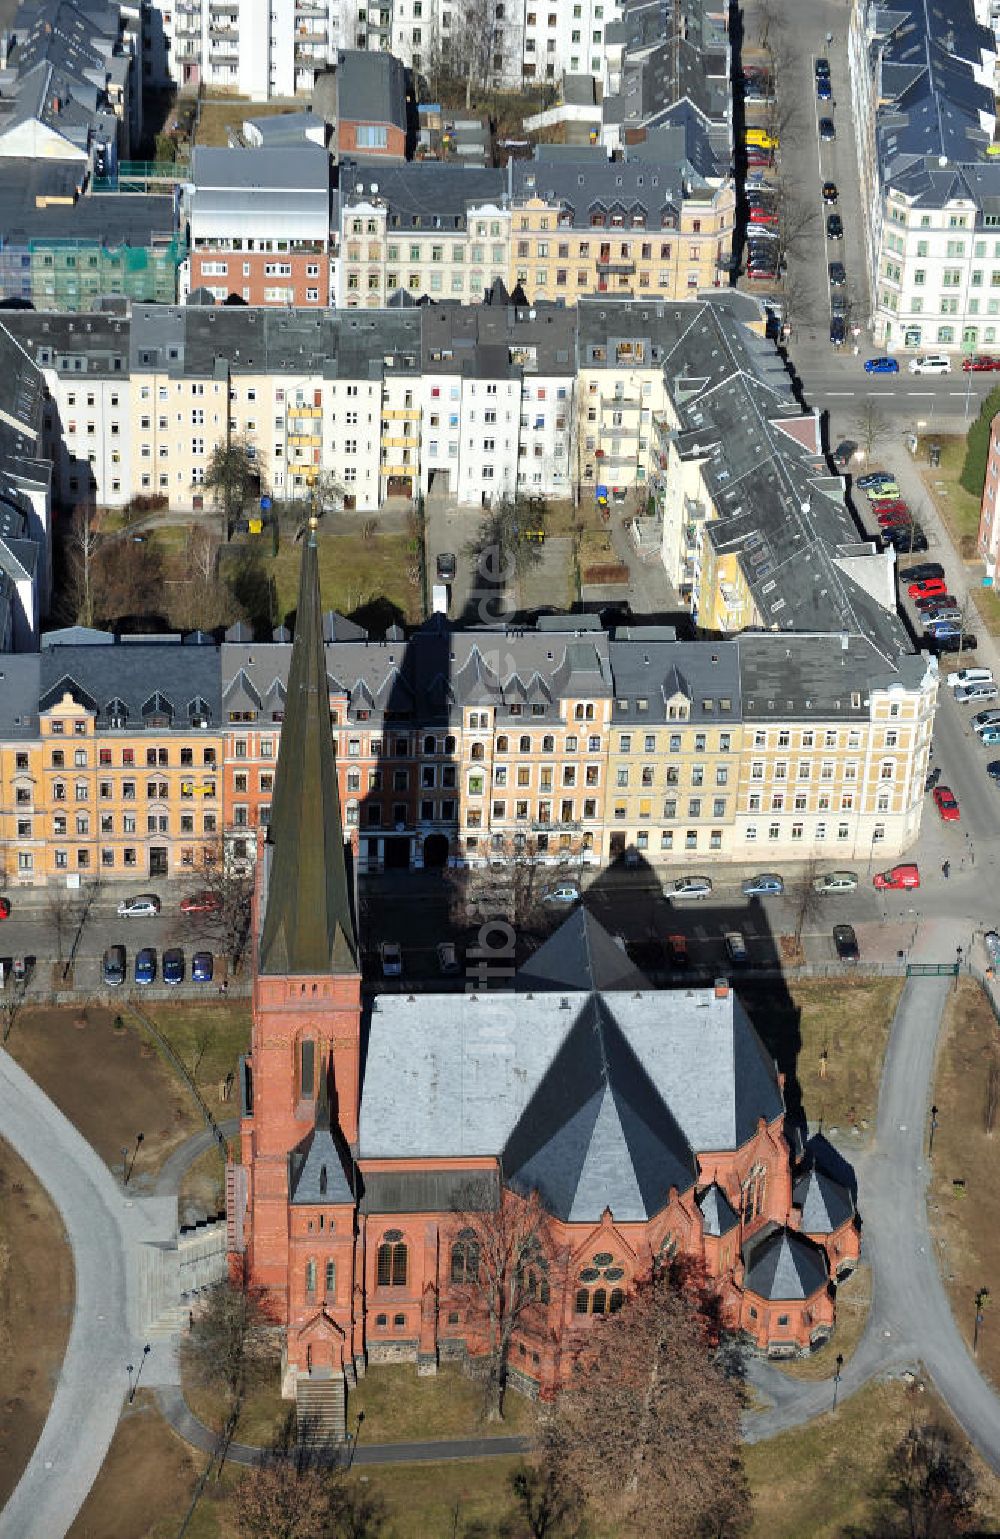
[{"x": 650, "y": 1122}]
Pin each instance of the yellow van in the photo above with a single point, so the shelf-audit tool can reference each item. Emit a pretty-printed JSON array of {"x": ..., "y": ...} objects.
[{"x": 761, "y": 139}]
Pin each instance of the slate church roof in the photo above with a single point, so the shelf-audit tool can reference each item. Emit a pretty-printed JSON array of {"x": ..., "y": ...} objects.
[
  {"x": 320, "y": 1167},
  {"x": 784, "y": 1265},
  {"x": 824, "y": 1202},
  {"x": 598, "y": 1094},
  {"x": 717, "y": 1211}
]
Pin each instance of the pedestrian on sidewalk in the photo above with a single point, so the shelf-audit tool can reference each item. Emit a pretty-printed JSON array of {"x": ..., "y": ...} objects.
[{"x": 946, "y": 869}]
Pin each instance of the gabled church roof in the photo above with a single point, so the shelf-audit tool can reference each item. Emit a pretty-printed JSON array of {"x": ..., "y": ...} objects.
[
  {"x": 308, "y": 923},
  {"x": 785, "y": 1265},
  {"x": 824, "y": 1202},
  {"x": 717, "y": 1211},
  {"x": 596, "y": 1133},
  {"x": 580, "y": 955}
]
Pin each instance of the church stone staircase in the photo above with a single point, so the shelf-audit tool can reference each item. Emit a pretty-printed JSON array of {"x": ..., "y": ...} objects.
[{"x": 321, "y": 1409}]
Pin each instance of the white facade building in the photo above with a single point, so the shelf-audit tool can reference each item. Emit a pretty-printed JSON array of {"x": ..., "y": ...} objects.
[{"x": 255, "y": 48}]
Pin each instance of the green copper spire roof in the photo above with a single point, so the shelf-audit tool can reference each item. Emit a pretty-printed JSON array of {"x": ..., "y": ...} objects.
[{"x": 308, "y": 927}]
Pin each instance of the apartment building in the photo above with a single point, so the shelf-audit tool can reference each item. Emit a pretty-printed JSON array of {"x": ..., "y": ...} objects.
[
  {"x": 648, "y": 225},
  {"x": 497, "y": 401},
  {"x": 438, "y": 231},
  {"x": 255, "y": 48},
  {"x": 25, "y": 500},
  {"x": 111, "y": 761},
  {"x": 922, "y": 83},
  {"x": 259, "y": 223}
]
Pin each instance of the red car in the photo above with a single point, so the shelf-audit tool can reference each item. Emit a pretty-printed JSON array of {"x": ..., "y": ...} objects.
[
  {"x": 980, "y": 363},
  {"x": 4, "y": 908},
  {"x": 888, "y": 504},
  {"x": 201, "y": 903},
  {"x": 898, "y": 520},
  {"x": 905, "y": 876},
  {"x": 760, "y": 215},
  {"x": 944, "y": 801},
  {"x": 928, "y": 588}
]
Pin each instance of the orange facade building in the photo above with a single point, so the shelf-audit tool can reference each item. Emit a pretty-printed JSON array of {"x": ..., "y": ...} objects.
[{"x": 377, "y": 1132}]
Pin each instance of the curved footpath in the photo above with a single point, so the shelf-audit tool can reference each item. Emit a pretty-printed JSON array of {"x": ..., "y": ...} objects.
[
  {"x": 910, "y": 1321},
  {"x": 92, "y": 1381}
]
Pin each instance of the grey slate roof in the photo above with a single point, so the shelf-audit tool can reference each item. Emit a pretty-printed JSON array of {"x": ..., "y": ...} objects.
[
  {"x": 423, "y": 194},
  {"x": 451, "y": 1076},
  {"x": 320, "y": 1168},
  {"x": 371, "y": 87},
  {"x": 498, "y": 340},
  {"x": 804, "y": 676},
  {"x": 717, "y": 1211},
  {"x": 19, "y": 675},
  {"x": 580, "y": 955},
  {"x": 448, "y": 1190},
  {"x": 784, "y": 1265},
  {"x": 825, "y": 1204},
  {"x": 707, "y": 675},
  {"x": 595, "y": 1133},
  {"x": 302, "y": 169},
  {"x": 135, "y": 680}
]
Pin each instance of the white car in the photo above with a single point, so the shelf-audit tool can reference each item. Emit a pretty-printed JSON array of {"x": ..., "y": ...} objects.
[
  {"x": 143, "y": 906},
  {"x": 392, "y": 960},
  {"x": 966, "y": 692},
  {"x": 931, "y": 363},
  {"x": 966, "y": 676},
  {"x": 568, "y": 892},
  {"x": 691, "y": 887},
  {"x": 984, "y": 719},
  {"x": 836, "y": 881}
]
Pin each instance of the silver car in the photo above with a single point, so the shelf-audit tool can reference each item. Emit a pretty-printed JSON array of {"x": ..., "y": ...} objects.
[
  {"x": 691, "y": 887},
  {"x": 836, "y": 881},
  {"x": 143, "y": 906}
]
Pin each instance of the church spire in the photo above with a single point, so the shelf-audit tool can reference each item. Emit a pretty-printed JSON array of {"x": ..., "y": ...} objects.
[{"x": 308, "y": 925}]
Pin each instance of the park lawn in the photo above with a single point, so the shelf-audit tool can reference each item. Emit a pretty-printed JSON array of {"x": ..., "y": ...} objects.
[
  {"x": 208, "y": 1036},
  {"x": 356, "y": 574},
  {"x": 202, "y": 1191},
  {"x": 958, "y": 508},
  {"x": 264, "y": 1412},
  {"x": 854, "y": 1297},
  {"x": 401, "y": 1407},
  {"x": 820, "y": 1479},
  {"x": 425, "y": 1501},
  {"x": 849, "y": 1020},
  {"x": 965, "y": 1221},
  {"x": 36, "y": 1307},
  {"x": 146, "y": 1483}
]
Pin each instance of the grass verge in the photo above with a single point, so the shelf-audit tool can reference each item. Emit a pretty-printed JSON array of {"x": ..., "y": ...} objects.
[
  {"x": 964, "y": 1203},
  {"x": 399, "y": 1407},
  {"x": 264, "y": 1411},
  {"x": 959, "y": 510},
  {"x": 829, "y": 1040},
  {"x": 145, "y": 1484},
  {"x": 36, "y": 1307}
]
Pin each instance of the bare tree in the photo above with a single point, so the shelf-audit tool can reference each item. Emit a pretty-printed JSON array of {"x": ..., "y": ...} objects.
[
  {"x": 62, "y": 915},
  {"x": 231, "y": 1335},
  {"x": 512, "y": 884},
  {"x": 508, "y": 542},
  {"x": 84, "y": 541},
  {"x": 478, "y": 38},
  {"x": 502, "y": 1258},
  {"x": 229, "y": 889},
  {"x": 808, "y": 902},
  {"x": 928, "y": 1490},
  {"x": 232, "y": 476},
  {"x": 667, "y": 1461},
  {"x": 548, "y": 1501},
  {"x": 872, "y": 428}
]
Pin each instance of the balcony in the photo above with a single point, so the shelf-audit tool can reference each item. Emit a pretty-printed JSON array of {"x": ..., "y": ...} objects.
[
  {"x": 304, "y": 440},
  {"x": 400, "y": 443},
  {"x": 616, "y": 269},
  {"x": 407, "y": 413},
  {"x": 295, "y": 412}
]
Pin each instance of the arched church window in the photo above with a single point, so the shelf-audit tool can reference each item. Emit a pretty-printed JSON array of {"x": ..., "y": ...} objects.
[
  {"x": 582, "y": 1303},
  {"x": 616, "y": 1300},
  {"x": 465, "y": 1257},
  {"x": 599, "y": 1302},
  {"x": 392, "y": 1260},
  {"x": 330, "y": 1280},
  {"x": 307, "y": 1067},
  {"x": 752, "y": 1194},
  {"x": 322, "y": 1180},
  {"x": 311, "y": 1278}
]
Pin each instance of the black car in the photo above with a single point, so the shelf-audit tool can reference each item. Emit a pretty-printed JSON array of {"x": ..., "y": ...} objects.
[
  {"x": 827, "y": 129},
  {"x": 838, "y": 274},
  {"x": 846, "y": 942},
  {"x": 993, "y": 769},
  {"x": 844, "y": 453},
  {"x": 834, "y": 227},
  {"x": 922, "y": 572},
  {"x": 822, "y": 69},
  {"x": 113, "y": 968},
  {"x": 838, "y": 330},
  {"x": 829, "y": 192},
  {"x": 447, "y": 566},
  {"x": 966, "y": 643},
  {"x": 909, "y": 540}
]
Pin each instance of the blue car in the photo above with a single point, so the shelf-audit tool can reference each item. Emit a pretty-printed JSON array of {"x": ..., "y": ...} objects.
[
  {"x": 145, "y": 965},
  {"x": 173, "y": 965},
  {"x": 201, "y": 967},
  {"x": 824, "y": 90},
  {"x": 881, "y": 365},
  {"x": 766, "y": 884}
]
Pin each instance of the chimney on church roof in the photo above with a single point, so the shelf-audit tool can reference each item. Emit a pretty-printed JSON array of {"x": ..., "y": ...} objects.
[{"x": 308, "y": 923}]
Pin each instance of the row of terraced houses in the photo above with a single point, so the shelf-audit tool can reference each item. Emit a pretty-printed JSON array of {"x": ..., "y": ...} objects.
[{"x": 138, "y": 757}]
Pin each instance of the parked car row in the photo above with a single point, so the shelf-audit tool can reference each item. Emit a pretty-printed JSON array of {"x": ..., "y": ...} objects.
[
  {"x": 898, "y": 529},
  {"x": 146, "y": 905},
  {"x": 114, "y": 967}
]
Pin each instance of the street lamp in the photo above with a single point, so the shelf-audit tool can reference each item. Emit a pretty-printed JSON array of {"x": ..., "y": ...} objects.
[
  {"x": 934, "y": 1123},
  {"x": 130, "y": 1167},
  {"x": 133, "y": 1386},
  {"x": 982, "y": 1298},
  {"x": 354, "y": 1440},
  {"x": 839, "y": 1360},
  {"x": 958, "y": 965}
]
